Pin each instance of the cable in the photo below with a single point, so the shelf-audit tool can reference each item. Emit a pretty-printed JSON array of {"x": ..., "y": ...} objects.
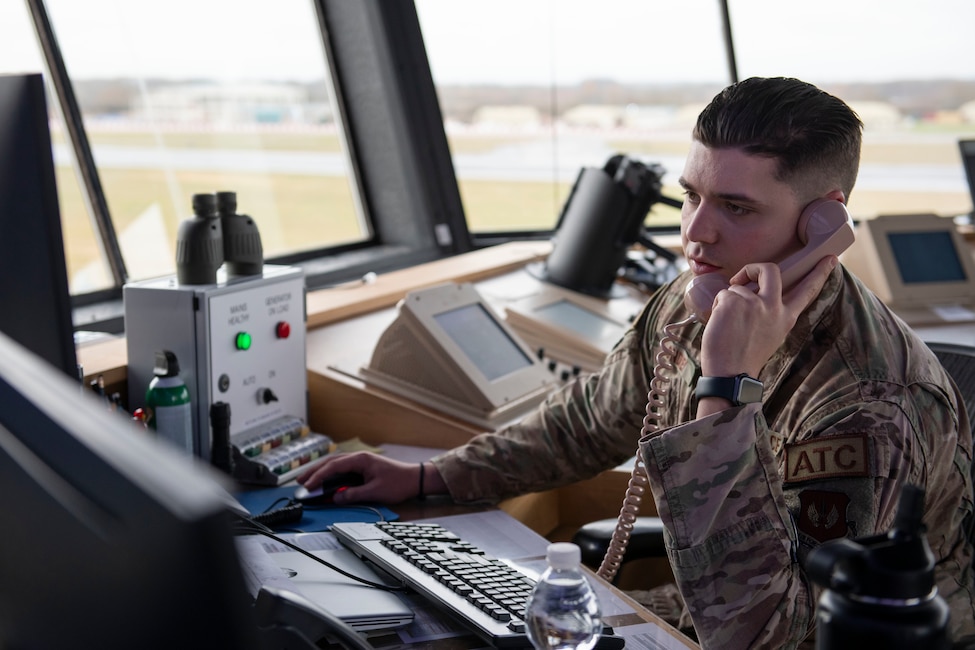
[
  {"x": 288, "y": 514},
  {"x": 639, "y": 483}
]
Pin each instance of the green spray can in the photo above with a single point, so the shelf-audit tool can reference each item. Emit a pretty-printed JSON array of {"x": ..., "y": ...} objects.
[{"x": 168, "y": 403}]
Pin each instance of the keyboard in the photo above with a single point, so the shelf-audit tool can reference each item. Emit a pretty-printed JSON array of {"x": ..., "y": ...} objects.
[{"x": 487, "y": 595}]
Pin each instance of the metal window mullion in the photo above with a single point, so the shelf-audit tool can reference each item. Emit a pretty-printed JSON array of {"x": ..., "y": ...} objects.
[
  {"x": 729, "y": 45},
  {"x": 79, "y": 140}
]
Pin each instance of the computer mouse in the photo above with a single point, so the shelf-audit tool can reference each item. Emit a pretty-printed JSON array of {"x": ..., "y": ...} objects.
[{"x": 324, "y": 493}]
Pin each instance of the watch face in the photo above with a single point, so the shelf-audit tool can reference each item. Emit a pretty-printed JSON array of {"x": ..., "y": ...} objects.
[
  {"x": 749, "y": 390},
  {"x": 737, "y": 390}
]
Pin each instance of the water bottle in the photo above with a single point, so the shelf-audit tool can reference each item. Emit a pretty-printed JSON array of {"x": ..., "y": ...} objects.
[{"x": 562, "y": 611}]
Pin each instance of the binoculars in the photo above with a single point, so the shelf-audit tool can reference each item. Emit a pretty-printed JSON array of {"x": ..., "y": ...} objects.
[{"x": 216, "y": 235}]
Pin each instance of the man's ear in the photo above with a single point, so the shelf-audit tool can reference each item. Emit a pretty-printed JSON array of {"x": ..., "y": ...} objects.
[{"x": 836, "y": 195}]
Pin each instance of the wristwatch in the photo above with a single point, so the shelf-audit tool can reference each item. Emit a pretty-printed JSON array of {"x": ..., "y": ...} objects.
[{"x": 737, "y": 390}]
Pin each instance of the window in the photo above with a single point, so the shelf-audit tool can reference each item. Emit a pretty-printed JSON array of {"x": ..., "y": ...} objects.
[
  {"x": 317, "y": 113},
  {"x": 360, "y": 142},
  {"x": 532, "y": 92},
  {"x": 907, "y": 68},
  {"x": 19, "y": 52},
  {"x": 188, "y": 97}
]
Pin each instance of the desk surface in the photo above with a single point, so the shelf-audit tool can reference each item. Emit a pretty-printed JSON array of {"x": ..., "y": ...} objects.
[{"x": 503, "y": 536}]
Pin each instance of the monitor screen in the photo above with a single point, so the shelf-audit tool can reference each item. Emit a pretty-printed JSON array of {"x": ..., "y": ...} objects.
[
  {"x": 583, "y": 322},
  {"x": 926, "y": 257},
  {"x": 481, "y": 338},
  {"x": 36, "y": 306},
  {"x": 570, "y": 328},
  {"x": 111, "y": 539}
]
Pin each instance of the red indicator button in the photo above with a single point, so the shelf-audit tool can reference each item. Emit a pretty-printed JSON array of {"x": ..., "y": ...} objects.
[{"x": 283, "y": 330}]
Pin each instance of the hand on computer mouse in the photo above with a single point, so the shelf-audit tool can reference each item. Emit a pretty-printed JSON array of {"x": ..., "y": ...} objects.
[
  {"x": 385, "y": 480},
  {"x": 328, "y": 488}
]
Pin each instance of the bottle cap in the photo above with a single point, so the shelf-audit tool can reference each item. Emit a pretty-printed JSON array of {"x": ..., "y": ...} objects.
[
  {"x": 166, "y": 364},
  {"x": 563, "y": 555}
]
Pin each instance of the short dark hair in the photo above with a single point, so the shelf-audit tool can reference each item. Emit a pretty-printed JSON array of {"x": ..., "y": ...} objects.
[{"x": 814, "y": 136}]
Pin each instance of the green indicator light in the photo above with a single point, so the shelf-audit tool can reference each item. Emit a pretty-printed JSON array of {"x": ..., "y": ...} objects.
[{"x": 243, "y": 341}]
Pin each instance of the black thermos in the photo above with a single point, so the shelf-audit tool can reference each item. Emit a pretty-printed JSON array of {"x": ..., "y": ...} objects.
[{"x": 880, "y": 590}]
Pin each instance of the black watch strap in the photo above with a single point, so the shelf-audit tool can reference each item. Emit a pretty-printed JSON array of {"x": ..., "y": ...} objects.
[{"x": 738, "y": 390}]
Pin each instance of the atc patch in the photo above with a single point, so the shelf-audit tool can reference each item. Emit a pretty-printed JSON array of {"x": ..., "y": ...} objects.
[
  {"x": 822, "y": 515},
  {"x": 825, "y": 458}
]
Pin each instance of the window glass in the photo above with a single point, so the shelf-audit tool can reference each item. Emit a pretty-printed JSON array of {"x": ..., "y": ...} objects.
[
  {"x": 532, "y": 92},
  {"x": 20, "y": 53},
  {"x": 193, "y": 96},
  {"x": 907, "y": 68}
]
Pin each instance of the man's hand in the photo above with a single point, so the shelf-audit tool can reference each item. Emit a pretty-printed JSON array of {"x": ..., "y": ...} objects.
[
  {"x": 384, "y": 480},
  {"x": 746, "y": 327}
]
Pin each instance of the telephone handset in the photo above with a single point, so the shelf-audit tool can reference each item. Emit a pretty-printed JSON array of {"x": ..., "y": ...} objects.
[{"x": 825, "y": 228}]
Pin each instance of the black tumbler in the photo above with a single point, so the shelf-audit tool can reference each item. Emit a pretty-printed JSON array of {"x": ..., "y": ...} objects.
[{"x": 880, "y": 590}]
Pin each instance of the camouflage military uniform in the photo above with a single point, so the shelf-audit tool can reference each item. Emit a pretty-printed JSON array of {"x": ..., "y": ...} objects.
[{"x": 854, "y": 406}]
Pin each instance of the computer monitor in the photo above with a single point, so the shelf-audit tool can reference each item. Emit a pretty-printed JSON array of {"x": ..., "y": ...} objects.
[
  {"x": 110, "y": 539},
  {"x": 967, "y": 150},
  {"x": 448, "y": 349},
  {"x": 918, "y": 264},
  {"x": 35, "y": 306},
  {"x": 570, "y": 327}
]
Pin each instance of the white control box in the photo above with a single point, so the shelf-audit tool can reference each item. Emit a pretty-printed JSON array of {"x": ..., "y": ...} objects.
[{"x": 239, "y": 341}]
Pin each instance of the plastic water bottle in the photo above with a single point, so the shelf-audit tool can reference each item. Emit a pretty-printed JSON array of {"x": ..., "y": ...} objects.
[{"x": 563, "y": 611}]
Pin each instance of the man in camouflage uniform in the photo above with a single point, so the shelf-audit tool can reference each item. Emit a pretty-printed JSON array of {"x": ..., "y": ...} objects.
[{"x": 853, "y": 405}]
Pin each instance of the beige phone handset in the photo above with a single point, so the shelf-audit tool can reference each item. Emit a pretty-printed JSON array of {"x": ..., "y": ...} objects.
[{"x": 825, "y": 228}]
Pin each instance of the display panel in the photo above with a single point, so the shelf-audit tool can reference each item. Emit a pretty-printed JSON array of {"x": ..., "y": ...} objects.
[
  {"x": 480, "y": 337},
  {"x": 918, "y": 264},
  {"x": 449, "y": 350},
  {"x": 571, "y": 328}
]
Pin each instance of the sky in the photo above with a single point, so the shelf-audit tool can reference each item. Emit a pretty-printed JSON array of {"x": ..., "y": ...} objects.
[{"x": 518, "y": 41}]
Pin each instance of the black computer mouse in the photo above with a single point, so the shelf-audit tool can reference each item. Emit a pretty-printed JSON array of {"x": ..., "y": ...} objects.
[{"x": 325, "y": 492}]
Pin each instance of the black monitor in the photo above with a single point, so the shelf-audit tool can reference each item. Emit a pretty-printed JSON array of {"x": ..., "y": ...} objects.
[
  {"x": 967, "y": 150},
  {"x": 35, "y": 306},
  {"x": 110, "y": 539}
]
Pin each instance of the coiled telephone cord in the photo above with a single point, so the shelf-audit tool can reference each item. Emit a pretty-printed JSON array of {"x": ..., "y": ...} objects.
[{"x": 639, "y": 483}]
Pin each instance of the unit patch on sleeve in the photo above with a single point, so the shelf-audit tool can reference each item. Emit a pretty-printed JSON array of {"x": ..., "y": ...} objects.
[
  {"x": 822, "y": 515},
  {"x": 823, "y": 458}
]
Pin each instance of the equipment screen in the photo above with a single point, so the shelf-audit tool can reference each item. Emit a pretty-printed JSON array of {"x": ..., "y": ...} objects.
[
  {"x": 587, "y": 324},
  {"x": 488, "y": 346},
  {"x": 926, "y": 257}
]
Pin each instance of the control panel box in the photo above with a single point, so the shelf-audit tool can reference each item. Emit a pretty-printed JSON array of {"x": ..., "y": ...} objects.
[{"x": 239, "y": 341}]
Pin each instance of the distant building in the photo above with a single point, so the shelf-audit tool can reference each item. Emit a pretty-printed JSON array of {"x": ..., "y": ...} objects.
[
  {"x": 519, "y": 117},
  {"x": 967, "y": 112},
  {"x": 207, "y": 103},
  {"x": 878, "y": 116},
  {"x": 599, "y": 116}
]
